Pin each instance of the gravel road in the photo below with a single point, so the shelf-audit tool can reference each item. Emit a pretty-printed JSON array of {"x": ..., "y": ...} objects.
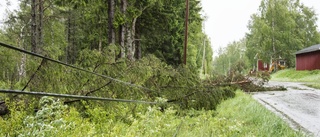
[{"x": 299, "y": 105}]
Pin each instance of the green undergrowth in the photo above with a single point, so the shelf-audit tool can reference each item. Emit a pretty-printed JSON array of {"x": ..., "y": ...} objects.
[
  {"x": 188, "y": 97},
  {"x": 240, "y": 116},
  {"x": 255, "y": 119},
  {"x": 311, "y": 78},
  {"x": 123, "y": 79}
]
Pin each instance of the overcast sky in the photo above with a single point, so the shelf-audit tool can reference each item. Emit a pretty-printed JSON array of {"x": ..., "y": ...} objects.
[
  {"x": 227, "y": 19},
  {"x": 4, "y": 7}
]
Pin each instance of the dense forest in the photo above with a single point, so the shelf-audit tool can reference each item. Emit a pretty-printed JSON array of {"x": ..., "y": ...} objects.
[
  {"x": 97, "y": 35},
  {"x": 63, "y": 29}
]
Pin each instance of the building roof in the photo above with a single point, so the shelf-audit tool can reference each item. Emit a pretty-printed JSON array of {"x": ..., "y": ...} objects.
[{"x": 309, "y": 49}]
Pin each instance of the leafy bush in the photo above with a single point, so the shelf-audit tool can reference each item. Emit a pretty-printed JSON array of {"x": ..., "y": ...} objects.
[
  {"x": 48, "y": 121},
  {"x": 12, "y": 123}
]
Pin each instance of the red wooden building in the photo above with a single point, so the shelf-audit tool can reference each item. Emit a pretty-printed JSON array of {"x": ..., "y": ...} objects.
[
  {"x": 308, "y": 58},
  {"x": 262, "y": 66}
]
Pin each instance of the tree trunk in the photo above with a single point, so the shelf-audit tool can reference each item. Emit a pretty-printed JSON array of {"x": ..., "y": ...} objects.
[
  {"x": 22, "y": 65},
  {"x": 33, "y": 26},
  {"x": 100, "y": 36},
  {"x": 71, "y": 50},
  {"x": 40, "y": 24},
  {"x": 273, "y": 39},
  {"x": 131, "y": 40},
  {"x": 111, "y": 29},
  {"x": 100, "y": 44},
  {"x": 122, "y": 36},
  {"x": 69, "y": 39},
  {"x": 122, "y": 39},
  {"x": 203, "y": 56},
  {"x": 138, "y": 53}
]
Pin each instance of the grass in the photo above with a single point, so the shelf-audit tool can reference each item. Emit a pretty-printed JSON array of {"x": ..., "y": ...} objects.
[
  {"x": 311, "y": 78},
  {"x": 239, "y": 116},
  {"x": 256, "y": 120},
  {"x": 313, "y": 85}
]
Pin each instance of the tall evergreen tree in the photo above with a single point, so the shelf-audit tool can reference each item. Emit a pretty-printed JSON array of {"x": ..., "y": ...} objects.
[{"x": 142, "y": 27}]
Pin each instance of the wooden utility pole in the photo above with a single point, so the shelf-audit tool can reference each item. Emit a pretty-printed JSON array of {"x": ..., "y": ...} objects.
[{"x": 186, "y": 32}]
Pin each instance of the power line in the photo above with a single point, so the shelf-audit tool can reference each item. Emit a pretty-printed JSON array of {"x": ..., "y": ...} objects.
[
  {"x": 71, "y": 66},
  {"x": 73, "y": 96}
]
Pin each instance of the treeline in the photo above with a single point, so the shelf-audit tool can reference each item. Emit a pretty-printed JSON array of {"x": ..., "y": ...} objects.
[
  {"x": 232, "y": 58},
  {"x": 278, "y": 30},
  {"x": 126, "y": 29}
]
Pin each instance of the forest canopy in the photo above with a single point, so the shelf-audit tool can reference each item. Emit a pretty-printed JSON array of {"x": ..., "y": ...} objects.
[{"x": 132, "y": 29}]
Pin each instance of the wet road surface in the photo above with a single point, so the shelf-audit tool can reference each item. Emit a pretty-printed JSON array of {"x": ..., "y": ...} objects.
[{"x": 299, "y": 105}]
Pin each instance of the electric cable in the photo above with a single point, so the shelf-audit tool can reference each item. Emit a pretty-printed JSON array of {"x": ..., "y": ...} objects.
[
  {"x": 71, "y": 66},
  {"x": 72, "y": 96}
]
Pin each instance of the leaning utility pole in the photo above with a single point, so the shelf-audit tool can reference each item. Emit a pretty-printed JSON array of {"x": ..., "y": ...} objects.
[{"x": 186, "y": 32}]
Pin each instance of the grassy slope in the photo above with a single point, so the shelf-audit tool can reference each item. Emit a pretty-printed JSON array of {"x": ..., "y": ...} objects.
[{"x": 311, "y": 78}]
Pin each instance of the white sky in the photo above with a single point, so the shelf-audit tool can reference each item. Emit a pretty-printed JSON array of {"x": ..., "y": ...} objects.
[
  {"x": 228, "y": 19},
  {"x": 4, "y": 7}
]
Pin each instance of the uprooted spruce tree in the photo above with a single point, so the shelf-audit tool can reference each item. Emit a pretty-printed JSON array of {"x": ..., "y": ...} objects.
[{"x": 137, "y": 47}]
